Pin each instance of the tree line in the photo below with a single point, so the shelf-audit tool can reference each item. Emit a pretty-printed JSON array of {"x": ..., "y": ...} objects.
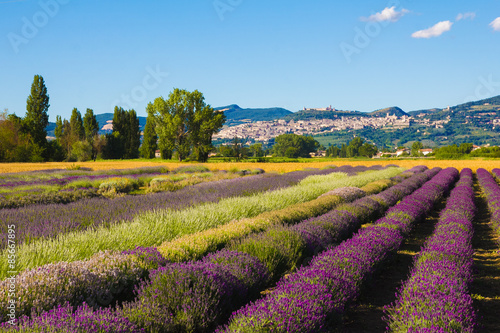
[
  {"x": 180, "y": 127},
  {"x": 357, "y": 147}
]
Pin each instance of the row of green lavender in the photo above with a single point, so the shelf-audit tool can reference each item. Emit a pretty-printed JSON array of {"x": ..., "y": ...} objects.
[
  {"x": 246, "y": 268},
  {"x": 315, "y": 297},
  {"x": 436, "y": 296},
  {"x": 151, "y": 228},
  {"x": 492, "y": 191},
  {"x": 48, "y": 221}
]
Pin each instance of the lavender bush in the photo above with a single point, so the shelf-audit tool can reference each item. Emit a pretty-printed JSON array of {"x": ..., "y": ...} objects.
[
  {"x": 436, "y": 296},
  {"x": 185, "y": 297},
  {"x": 338, "y": 273},
  {"x": 492, "y": 191},
  {"x": 98, "y": 281},
  {"x": 65, "y": 319}
]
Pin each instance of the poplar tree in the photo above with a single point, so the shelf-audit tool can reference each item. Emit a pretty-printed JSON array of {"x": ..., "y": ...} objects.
[
  {"x": 149, "y": 142},
  {"x": 37, "y": 117}
]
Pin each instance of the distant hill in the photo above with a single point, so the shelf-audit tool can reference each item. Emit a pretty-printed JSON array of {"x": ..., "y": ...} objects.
[
  {"x": 319, "y": 114},
  {"x": 236, "y": 115},
  {"x": 389, "y": 111}
]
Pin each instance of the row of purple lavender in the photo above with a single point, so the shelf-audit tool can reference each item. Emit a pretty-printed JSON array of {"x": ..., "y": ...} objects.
[
  {"x": 436, "y": 296},
  {"x": 200, "y": 283},
  {"x": 492, "y": 191},
  {"x": 315, "y": 297}
]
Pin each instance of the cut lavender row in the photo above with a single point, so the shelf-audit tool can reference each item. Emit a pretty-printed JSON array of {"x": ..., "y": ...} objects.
[
  {"x": 496, "y": 172},
  {"x": 47, "y": 221},
  {"x": 436, "y": 296},
  {"x": 313, "y": 298},
  {"x": 492, "y": 191}
]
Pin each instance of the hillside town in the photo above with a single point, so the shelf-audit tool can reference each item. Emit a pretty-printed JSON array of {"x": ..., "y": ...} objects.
[{"x": 263, "y": 131}]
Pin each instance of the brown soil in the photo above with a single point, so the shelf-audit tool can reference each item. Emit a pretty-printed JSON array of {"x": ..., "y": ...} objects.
[
  {"x": 366, "y": 315},
  {"x": 486, "y": 285}
]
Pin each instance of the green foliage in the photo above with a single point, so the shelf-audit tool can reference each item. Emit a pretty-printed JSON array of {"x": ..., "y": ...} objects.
[
  {"x": 37, "y": 117},
  {"x": 149, "y": 143},
  {"x": 90, "y": 125},
  {"x": 82, "y": 151},
  {"x": 185, "y": 124},
  {"x": 415, "y": 148},
  {"x": 118, "y": 185},
  {"x": 124, "y": 142},
  {"x": 76, "y": 124},
  {"x": 279, "y": 248},
  {"x": 357, "y": 147},
  {"x": 293, "y": 146},
  {"x": 453, "y": 151}
]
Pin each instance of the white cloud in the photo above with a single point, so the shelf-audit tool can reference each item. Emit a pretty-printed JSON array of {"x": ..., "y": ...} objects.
[
  {"x": 465, "y": 16},
  {"x": 388, "y": 14},
  {"x": 437, "y": 30},
  {"x": 495, "y": 24}
]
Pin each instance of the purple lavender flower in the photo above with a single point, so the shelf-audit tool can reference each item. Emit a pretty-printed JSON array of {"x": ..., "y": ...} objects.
[
  {"x": 65, "y": 319},
  {"x": 436, "y": 297}
]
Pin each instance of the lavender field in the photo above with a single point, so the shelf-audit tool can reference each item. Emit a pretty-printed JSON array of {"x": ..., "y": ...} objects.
[{"x": 340, "y": 249}]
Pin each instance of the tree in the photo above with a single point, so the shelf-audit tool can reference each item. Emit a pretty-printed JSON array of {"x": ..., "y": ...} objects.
[
  {"x": 90, "y": 125},
  {"x": 59, "y": 128},
  {"x": 185, "y": 124},
  {"x": 37, "y": 118},
  {"x": 415, "y": 148},
  {"x": 133, "y": 138},
  {"x": 303, "y": 145},
  {"x": 367, "y": 150},
  {"x": 149, "y": 142},
  {"x": 333, "y": 151},
  {"x": 206, "y": 122},
  {"x": 125, "y": 140},
  {"x": 76, "y": 124},
  {"x": 82, "y": 151},
  {"x": 256, "y": 150}
]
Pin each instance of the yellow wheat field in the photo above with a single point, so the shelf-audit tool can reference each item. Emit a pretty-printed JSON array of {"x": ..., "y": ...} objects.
[{"x": 277, "y": 167}]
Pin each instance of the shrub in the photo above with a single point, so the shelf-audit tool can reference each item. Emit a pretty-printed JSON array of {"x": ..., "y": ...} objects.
[
  {"x": 185, "y": 297},
  {"x": 117, "y": 185},
  {"x": 279, "y": 248}
]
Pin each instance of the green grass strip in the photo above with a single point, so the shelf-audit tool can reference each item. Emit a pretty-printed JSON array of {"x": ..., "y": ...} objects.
[{"x": 153, "y": 228}]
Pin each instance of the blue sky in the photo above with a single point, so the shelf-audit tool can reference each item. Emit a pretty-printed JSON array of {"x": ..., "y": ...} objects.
[{"x": 353, "y": 55}]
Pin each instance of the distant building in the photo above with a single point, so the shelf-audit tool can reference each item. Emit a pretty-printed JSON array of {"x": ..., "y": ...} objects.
[
  {"x": 158, "y": 154},
  {"x": 402, "y": 151},
  {"x": 426, "y": 151},
  {"x": 324, "y": 109}
]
